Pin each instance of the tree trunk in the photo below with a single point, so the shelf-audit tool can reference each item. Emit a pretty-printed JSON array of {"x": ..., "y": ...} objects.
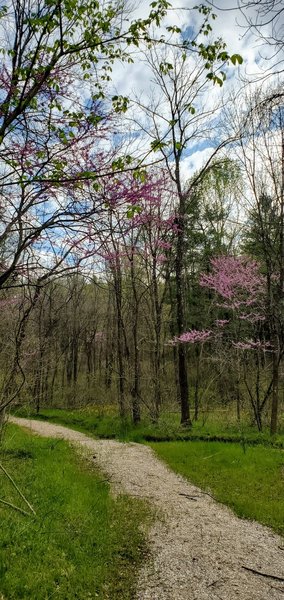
[
  {"x": 275, "y": 394},
  {"x": 182, "y": 363},
  {"x": 157, "y": 350},
  {"x": 2, "y": 422},
  {"x": 196, "y": 390},
  {"x": 120, "y": 338}
]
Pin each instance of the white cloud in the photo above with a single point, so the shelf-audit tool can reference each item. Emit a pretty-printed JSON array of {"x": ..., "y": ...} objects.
[
  {"x": 193, "y": 163},
  {"x": 231, "y": 26}
]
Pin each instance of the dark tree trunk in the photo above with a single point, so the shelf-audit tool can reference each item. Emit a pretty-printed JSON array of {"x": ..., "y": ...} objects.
[
  {"x": 275, "y": 394},
  {"x": 196, "y": 390},
  {"x": 182, "y": 362},
  {"x": 120, "y": 340},
  {"x": 157, "y": 349}
]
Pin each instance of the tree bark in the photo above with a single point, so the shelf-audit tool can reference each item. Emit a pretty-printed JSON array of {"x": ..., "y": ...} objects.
[{"x": 182, "y": 363}]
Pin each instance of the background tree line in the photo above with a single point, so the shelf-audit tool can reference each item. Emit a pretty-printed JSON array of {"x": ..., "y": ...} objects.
[{"x": 109, "y": 336}]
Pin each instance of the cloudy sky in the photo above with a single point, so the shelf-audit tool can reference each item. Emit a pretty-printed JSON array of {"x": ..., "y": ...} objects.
[{"x": 231, "y": 26}]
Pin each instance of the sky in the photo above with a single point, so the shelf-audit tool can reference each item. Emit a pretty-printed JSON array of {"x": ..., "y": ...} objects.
[
  {"x": 227, "y": 26},
  {"x": 231, "y": 26}
]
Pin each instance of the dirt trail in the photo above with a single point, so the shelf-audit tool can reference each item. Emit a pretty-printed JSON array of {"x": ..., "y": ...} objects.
[{"x": 198, "y": 547}]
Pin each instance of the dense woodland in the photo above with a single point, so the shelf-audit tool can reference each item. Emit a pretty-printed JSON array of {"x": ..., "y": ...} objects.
[{"x": 126, "y": 283}]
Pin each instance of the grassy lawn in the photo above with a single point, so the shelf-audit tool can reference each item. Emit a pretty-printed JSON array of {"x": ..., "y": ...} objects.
[
  {"x": 82, "y": 543},
  {"x": 246, "y": 473},
  {"x": 250, "y": 480},
  {"x": 107, "y": 424}
]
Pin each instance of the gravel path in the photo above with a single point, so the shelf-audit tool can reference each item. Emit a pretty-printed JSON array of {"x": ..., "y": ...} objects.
[{"x": 198, "y": 547}]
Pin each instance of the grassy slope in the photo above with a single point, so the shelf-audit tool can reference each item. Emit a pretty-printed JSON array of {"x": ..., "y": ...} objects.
[
  {"x": 251, "y": 482},
  {"x": 81, "y": 544}
]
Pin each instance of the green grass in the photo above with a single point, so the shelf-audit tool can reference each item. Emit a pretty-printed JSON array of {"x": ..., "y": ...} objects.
[
  {"x": 251, "y": 482},
  {"x": 107, "y": 424},
  {"x": 246, "y": 473},
  {"x": 82, "y": 543}
]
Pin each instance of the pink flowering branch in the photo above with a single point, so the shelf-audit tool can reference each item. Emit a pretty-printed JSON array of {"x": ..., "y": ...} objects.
[
  {"x": 221, "y": 322},
  {"x": 253, "y": 345},
  {"x": 236, "y": 279},
  {"x": 192, "y": 336}
]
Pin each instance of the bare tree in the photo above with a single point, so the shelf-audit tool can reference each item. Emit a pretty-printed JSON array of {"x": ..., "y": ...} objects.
[{"x": 178, "y": 119}]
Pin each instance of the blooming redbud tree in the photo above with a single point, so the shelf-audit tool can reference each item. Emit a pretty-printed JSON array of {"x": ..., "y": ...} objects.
[{"x": 239, "y": 290}]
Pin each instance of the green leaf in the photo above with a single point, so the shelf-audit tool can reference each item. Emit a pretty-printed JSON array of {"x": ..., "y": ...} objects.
[
  {"x": 236, "y": 58},
  {"x": 140, "y": 175},
  {"x": 191, "y": 109},
  {"x": 157, "y": 145},
  {"x": 133, "y": 210},
  {"x": 120, "y": 103},
  {"x": 87, "y": 174},
  {"x": 223, "y": 56},
  {"x": 173, "y": 29},
  {"x": 165, "y": 67}
]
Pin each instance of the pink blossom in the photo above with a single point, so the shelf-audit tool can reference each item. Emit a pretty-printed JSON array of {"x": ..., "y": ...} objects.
[
  {"x": 161, "y": 259},
  {"x": 171, "y": 224},
  {"x": 113, "y": 256},
  {"x": 100, "y": 336},
  {"x": 164, "y": 245},
  {"x": 252, "y": 317},
  {"x": 221, "y": 322},
  {"x": 193, "y": 336},
  {"x": 251, "y": 345},
  {"x": 237, "y": 280}
]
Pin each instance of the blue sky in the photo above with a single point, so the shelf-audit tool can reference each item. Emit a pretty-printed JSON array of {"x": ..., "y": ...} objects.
[{"x": 230, "y": 26}]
